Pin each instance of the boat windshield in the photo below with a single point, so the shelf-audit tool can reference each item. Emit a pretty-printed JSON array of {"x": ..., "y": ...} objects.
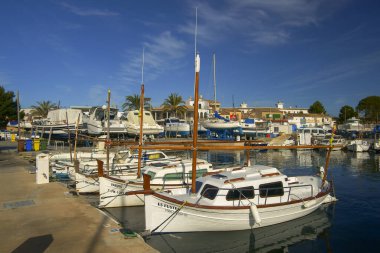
[
  {"x": 173, "y": 121},
  {"x": 198, "y": 186}
]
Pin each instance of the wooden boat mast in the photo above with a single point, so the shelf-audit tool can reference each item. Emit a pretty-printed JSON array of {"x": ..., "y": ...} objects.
[
  {"x": 18, "y": 116},
  {"x": 214, "y": 77},
  {"x": 76, "y": 138},
  {"x": 108, "y": 128},
  {"x": 328, "y": 156},
  {"x": 141, "y": 119},
  {"x": 195, "y": 131},
  {"x": 69, "y": 140},
  {"x": 195, "y": 125}
]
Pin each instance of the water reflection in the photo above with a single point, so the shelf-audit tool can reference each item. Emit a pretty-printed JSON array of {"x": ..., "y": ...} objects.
[
  {"x": 275, "y": 238},
  {"x": 355, "y": 225}
]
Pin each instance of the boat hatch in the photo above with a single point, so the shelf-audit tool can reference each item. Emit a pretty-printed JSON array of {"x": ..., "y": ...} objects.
[
  {"x": 237, "y": 171},
  {"x": 219, "y": 176},
  {"x": 267, "y": 172},
  {"x": 234, "y": 180},
  {"x": 291, "y": 180},
  {"x": 253, "y": 175}
]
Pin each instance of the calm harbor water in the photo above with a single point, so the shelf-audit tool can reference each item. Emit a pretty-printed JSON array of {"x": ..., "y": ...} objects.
[{"x": 350, "y": 225}]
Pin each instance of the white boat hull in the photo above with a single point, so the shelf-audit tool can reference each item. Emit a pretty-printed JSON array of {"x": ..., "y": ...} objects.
[
  {"x": 86, "y": 184},
  {"x": 134, "y": 130},
  {"x": 220, "y": 124},
  {"x": 358, "y": 146},
  {"x": 113, "y": 192},
  {"x": 190, "y": 219}
]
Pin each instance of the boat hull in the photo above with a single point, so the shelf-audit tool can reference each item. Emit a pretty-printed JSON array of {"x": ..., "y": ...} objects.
[
  {"x": 113, "y": 192},
  {"x": 86, "y": 184},
  {"x": 191, "y": 219}
]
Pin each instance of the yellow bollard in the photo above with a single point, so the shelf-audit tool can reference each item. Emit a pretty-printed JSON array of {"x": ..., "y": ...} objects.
[
  {"x": 36, "y": 143},
  {"x": 13, "y": 137}
]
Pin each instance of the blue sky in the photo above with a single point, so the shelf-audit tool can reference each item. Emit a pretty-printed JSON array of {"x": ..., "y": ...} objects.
[{"x": 296, "y": 51}]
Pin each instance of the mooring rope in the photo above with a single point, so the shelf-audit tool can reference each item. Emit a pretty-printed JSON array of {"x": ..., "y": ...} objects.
[{"x": 172, "y": 215}]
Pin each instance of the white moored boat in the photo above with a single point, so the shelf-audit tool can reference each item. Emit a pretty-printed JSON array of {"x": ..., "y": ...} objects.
[
  {"x": 358, "y": 146},
  {"x": 174, "y": 127},
  {"x": 96, "y": 121},
  {"x": 244, "y": 198},
  {"x": 164, "y": 175},
  {"x": 220, "y": 124},
  {"x": 150, "y": 127},
  {"x": 122, "y": 166},
  {"x": 236, "y": 199}
]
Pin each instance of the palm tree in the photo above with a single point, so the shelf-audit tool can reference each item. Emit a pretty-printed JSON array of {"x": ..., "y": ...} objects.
[
  {"x": 42, "y": 108},
  {"x": 174, "y": 103},
  {"x": 131, "y": 103}
]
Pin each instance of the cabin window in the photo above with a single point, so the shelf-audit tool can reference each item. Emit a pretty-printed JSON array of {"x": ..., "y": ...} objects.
[
  {"x": 241, "y": 193},
  {"x": 151, "y": 174},
  {"x": 314, "y": 131},
  {"x": 271, "y": 190},
  {"x": 306, "y": 131},
  {"x": 321, "y": 132},
  {"x": 155, "y": 156},
  {"x": 209, "y": 191},
  {"x": 147, "y": 114}
]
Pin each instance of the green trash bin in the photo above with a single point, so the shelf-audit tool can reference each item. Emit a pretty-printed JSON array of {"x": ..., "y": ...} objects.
[{"x": 43, "y": 144}]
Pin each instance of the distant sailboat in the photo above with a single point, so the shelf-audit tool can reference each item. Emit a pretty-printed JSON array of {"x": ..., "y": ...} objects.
[{"x": 218, "y": 122}]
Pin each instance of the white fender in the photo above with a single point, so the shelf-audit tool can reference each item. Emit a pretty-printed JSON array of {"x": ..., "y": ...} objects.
[
  {"x": 310, "y": 203},
  {"x": 255, "y": 214}
]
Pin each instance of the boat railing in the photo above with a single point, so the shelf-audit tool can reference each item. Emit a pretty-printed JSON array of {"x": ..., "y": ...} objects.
[
  {"x": 178, "y": 177},
  {"x": 261, "y": 198}
]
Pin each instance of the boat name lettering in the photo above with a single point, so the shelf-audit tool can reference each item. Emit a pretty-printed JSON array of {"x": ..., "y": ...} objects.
[
  {"x": 116, "y": 185},
  {"x": 164, "y": 205}
]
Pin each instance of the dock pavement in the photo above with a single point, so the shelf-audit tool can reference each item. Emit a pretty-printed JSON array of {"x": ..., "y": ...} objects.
[{"x": 47, "y": 218}]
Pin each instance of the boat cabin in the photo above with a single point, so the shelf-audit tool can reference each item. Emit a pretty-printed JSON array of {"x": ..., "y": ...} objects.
[
  {"x": 176, "y": 172},
  {"x": 258, "y": 184}
]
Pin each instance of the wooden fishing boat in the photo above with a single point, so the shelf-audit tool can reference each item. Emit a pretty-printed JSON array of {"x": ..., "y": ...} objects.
[
  {"x": 163, "y": 175},
  {"x": 238, "y": 199}
]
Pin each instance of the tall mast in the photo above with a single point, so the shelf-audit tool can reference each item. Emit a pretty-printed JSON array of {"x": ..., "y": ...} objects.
[
  {"x": 18, "y": 115},
  {"x": 195, "y": 131},
  {"x": 141, "y": 118},
  {"x": 196, "y": 92},
  {"x": 214, "y": 77},
  {"x": 108, "y": 129}
]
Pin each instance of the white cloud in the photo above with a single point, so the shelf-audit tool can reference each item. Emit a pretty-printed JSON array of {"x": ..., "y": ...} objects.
[
  {"x": 64, "y": 88},
  {"x": 333, "y": 72},
  {"x": 97, "y": 94},
  {"x": 268, "y": 22},
  {"x": 87, "y": 11},
  {"x": 161, "y": 53}
]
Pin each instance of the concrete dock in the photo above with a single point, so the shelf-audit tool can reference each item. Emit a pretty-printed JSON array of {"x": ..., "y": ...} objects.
[{"x": 47, "y": 218}]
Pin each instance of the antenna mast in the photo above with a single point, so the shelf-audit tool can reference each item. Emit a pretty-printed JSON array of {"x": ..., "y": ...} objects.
[{"x": 214, "y": 61}]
